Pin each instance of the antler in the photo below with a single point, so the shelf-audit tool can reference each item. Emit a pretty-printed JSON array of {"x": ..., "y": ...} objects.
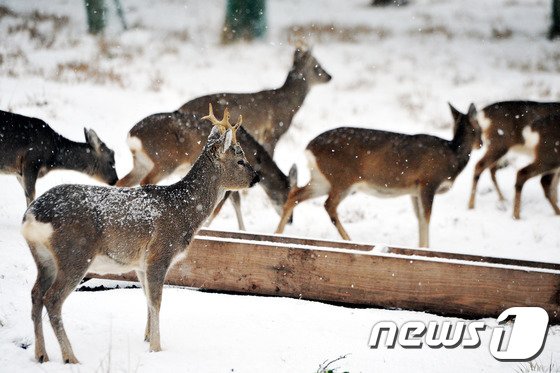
[{"x": 224, "y": 124}]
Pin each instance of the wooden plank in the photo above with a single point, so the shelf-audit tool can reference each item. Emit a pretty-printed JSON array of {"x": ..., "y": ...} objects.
[
  {"x": 460, "y": 288},
  {"x": 365, "y": 247}
]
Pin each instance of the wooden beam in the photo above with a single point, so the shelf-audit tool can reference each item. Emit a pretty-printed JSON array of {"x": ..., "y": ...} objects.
[{"x": 275, "y": 265}]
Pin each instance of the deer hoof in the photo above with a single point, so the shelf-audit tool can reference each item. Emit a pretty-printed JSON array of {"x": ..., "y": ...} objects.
[
  {"x": 42, "y": 358},
  {"x": 71, "y": 360}
]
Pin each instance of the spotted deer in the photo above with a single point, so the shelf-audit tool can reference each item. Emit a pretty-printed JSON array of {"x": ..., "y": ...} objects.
[
  {"x": 506, "y": 126},
  {"x": 269, "y": 113},
  {"x": 545, "y": 135},
  {"x": 73, "y": 229},
  {"x": 167, "y": 143},
  {"x": 30, "y": 148},
  {"x": 385, "y": 164}
]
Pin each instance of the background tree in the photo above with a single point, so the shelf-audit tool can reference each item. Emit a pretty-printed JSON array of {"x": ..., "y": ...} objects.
[
  {"x": 555, "y": 27},
  {"x": 97, "y": 15},
  {"x": 245, "y": 20}
]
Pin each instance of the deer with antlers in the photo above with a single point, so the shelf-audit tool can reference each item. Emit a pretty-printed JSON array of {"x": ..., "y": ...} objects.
[
  {"x": 168, "y": 143},
  {"x": 385, "y": 164},
  {"x": 73, "y": 229},
  {"x": 269, "y": 113},
  {"x": 508, "y": 126}
]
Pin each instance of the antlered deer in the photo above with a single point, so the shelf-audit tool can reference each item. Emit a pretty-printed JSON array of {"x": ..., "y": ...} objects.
[
  {"x": 73, "y": 229},
  {"x": 268, "y": 114},
  {"x": 385, "y": 164},
  {"x": 545, "y": 143},
  {"x": 29, "y": 148},
  {"x": 506, "y": 126},
  {"x": 166, "y": 143}
]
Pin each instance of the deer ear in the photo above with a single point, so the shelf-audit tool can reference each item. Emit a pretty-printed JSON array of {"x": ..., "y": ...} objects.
[
  {"x": 227, "y": 140},
  {"x": 292, "y": 176},
  {"x": 454, "y": 112},
  {"x": 472, "y": 111},
  {"x": 92, "y": 139}
]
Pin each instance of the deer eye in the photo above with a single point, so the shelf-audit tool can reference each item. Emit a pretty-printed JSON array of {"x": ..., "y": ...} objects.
[{"x": 240, "y": 162}]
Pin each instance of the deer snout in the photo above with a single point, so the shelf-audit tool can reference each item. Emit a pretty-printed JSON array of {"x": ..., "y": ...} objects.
[
  {"x": 113, "y": 181},
  {"x": 256, "y": 179}
]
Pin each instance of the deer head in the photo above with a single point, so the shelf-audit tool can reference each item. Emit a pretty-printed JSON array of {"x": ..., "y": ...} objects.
[
  {"x": 468, "y": 120},
  {"x": 102, "y": 165},
  {"x": 223, "y": 148},
  {"x": 308, "y": 67}
]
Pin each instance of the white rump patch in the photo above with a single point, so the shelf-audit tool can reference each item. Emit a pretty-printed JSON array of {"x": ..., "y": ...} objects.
[
  {"x": 318, "y": 181},
  {"x": 483, "y": 121},
  {"x": 531, "y": 141},
  {"x": 531, "y": 137},
  {"x": 134, "y": 143},
  {"x": 36, "y": 232}
]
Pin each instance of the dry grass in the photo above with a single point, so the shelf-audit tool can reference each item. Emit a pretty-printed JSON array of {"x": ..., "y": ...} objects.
[
  {"x": 432, "y": 30},
  {"x": 84, "y": 72},
  {"x": 331, "y": 32},
  {"x": 33, "y": 24}
]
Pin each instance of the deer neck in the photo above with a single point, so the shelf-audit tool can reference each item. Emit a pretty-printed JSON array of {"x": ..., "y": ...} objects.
[
  {"x": 461, "y": 144},
  {"x": 199, "y": 191},
  {"x": 71, "y": 155},
  {"x": 295, "y": 88}
]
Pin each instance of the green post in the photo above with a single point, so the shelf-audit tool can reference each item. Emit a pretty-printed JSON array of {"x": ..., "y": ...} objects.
[
  {"x": 245, "y": 19},
  {"x": 96, "y": 15},
  {"x": 555, "y": 27}
]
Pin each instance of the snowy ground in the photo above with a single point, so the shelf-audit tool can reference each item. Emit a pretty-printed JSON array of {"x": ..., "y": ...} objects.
[{"x": 392, "y": 68}]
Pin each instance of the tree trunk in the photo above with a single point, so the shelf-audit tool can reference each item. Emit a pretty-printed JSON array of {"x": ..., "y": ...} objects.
[
  {"x": 96, "y": 15},
  {"x": 388, "y": 2},
  {"x": 245, "y": 19},
  {"x": 555, "y": 27}
]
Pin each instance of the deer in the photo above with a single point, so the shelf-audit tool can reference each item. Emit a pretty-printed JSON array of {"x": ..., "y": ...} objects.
[
  {"x": 169, "y": 143},
  {"x": 506, "y": 127},
  {"x": 269, "y": 113},
  {"x": 30, "y": 148},
  {"x": 543, "y": 138},
  {"x": 386, "y": 164},
  {"x": 73, "y": 229}
]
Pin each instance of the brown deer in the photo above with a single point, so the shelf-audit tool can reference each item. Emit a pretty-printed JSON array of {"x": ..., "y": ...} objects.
[
  {"x": 73, "y": 229},
  {"x": 385, "y": 164},
  {"x": 505, "y": 126},
  {"x": 167, "y": 143},
  {"x": 268, "y": 114},
  {"x": 543, "y": 137},
  {"x": 29, "y": 149}
]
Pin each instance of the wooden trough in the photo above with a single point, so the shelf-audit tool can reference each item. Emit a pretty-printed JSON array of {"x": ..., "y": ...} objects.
[{"x": 356, "y": 274}]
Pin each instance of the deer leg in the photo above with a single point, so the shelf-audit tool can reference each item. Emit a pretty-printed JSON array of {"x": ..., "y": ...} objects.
[
  {"x": 523, "y": 175},
  {"x": 296, "y": 196},
  {"x": 549, "y": 183},
  {"x": 235, "y": 199},
  {"x": 425, "y": 202},
  {"x": 493, "y": 170},
  {"x": 155, "y": 275},
  {"x": 142, "y": 279},
  {"x": 156, "y": 174},
  {"x": 218, "y": 208},
  {"x": 416, "y": 207},
  {"x": 64, "y": 283},
  {"x": 331, "y": 204},
  {"x": 488, "y": 160},
  {"x": 45, "y": 278}
]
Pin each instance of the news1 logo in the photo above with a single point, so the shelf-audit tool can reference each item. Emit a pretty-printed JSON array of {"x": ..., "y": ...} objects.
[{"x": 519, "y": 336}]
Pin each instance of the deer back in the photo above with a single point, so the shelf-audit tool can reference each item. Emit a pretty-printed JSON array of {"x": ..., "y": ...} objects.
[{"x": 503, "y": 122}]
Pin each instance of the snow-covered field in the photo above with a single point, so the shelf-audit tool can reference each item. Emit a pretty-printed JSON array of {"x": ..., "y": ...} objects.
[{"x": 393, "y": 68}]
